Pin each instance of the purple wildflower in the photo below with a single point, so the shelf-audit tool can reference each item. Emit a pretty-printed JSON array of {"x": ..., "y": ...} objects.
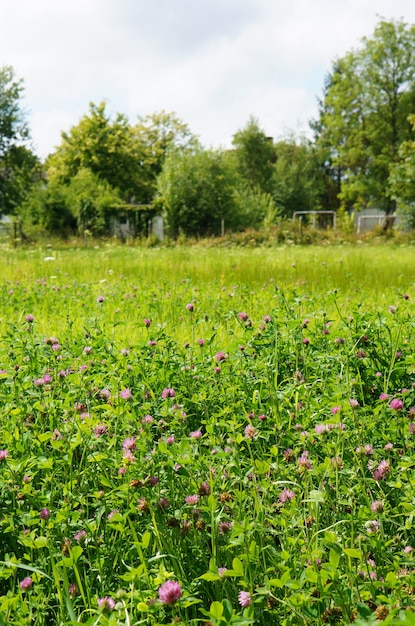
[
  {"x": 192, "y": 500},
  {"x": 29, "y": 318},
  {"x": 168, "y": 392},
  {"x": 106, "y": 604},
  {"x": 126, "y": 394},
  {"x": 44, "y": 513},
  {"x": 244, "y": 599},
  {"x": 170, "y": 592},
  {"x": 396, "y": 404},
  {"x": 220, "y": 356},
  {"x": 190, "y": 307},
  {"x": 26, "y": 583},
  {"x": 3, "y": 454},
  {"x": 286, "y": 495}
]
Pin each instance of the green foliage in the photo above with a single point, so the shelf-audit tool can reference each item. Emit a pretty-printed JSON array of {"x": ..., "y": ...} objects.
[
  {"x": 157, "y": 134},
  {"x": 255, "y": 154},
  {"x": 364, "y": 113},
  {"x": 196, "y": 191},
  {"x": 297, "y": 182},
  {"x": 19, "y": 168},
  {"x": 228, "y": 450},
  {"x": 107, "y": 148}
]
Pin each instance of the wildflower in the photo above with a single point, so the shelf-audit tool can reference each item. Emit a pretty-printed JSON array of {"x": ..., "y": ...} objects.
[
  {"x": 306, "y": 341},
  {"x": 170, "y": 440},
  {"x": 388, "y": 446},
  {"x": 105, "y": 394},
  {"x": 286, "y": 495},
  {"x": 304, "y": 462},
  {"x": 220, "y": 356},
  {"x": 142, "y": 505},
  {"x": 360, "y": 354},
  {"x": 337, "y": 462},
  {"x": 201, "y": 342},
  {"x": 44, "y": 513},
  {"x": 129, "y": 444},
  {"x": 372, "y": 526},
  {"x": 335, "y": 409},
  {"x": 100, "y": 429},
  {"x": 190, "y": 307},
  {"x": 100, "y": 299},
  {"x": 152, "y": 343},
  {"x": 106, "y": 604},
  {"x": 224, "y": 527},
  {"x": 126, "y": 394},
  {"x": 405, "y": 296},
  {"x": 384, "y": 396},
  {"x": 354, "y": 403},
  {"x": 128, "y": 457},
  {"x": 147, "y": 419},
  {"x": 250, "y": 431},
  {"x": 195, "y": 434},
  {"x": 112, "y": 513},
  {"x": 29, "y": 318},
  {"x": 87, "y": 350},
  {"x": 244, "y": 317},
  {"x": 382, "y": 470},
  {"x": 221, "y": 571},
  {"x": 376, "y": 506},
  {"x": 80, "y": 536},
  {"x": 396, "y": 404},
  {"x": 392, "y": 309},
  {"x": 3, "y": 454},
  {"x": 163, "y": 503},
  {"x": 204, "y": 489},
  {"x": 408, "y": 549},
  {"x": 168, "y": 392},
  {"x": 244, "y": 598},
  {"x": 192, "y": 500},
  {"x": 320, "y": 428},
  {"x": 267, "y": 319},
  {"x": 339, "y": 341},
  {"x": 170, "y": 592},
  {"x": 26, "y": 583},
  {"x": 147, "y": 322},
  {"x": 368, "y": 449}
]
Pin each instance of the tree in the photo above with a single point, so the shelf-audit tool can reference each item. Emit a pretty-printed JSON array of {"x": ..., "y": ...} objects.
[
  {"x": 255, "y": 155},
  {"x": 196, "y": 191},
  {"x": 157, "y": 134},
  {"x": 19, "y": 167},
  {"x": 298, "y": 182},
  {"x": 402, "y": 179},
  {"x": 364, "y": 113},
  {"x": 108, "y": 148}
]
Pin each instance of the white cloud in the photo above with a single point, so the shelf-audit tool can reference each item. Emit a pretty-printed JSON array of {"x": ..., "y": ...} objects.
[{"x": 214, "y": 63}]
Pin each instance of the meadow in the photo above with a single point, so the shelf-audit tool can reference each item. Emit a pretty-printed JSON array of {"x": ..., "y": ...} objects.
[{"x": 207, "y": 436}]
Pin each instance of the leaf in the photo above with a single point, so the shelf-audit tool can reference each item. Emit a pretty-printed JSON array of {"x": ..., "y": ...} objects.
[
  {"x": 216, "y": 610},
  {"x": 353, "y": 553}
]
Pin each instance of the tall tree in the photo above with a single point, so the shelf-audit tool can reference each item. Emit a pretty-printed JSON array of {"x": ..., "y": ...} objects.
[
  {"x": 19, "y": 167},
  {"x": 106, "y": 147},
  {"x": 156, "y": 135},
  {"x": 364, "y": 113},
  {"x": 255, "y": 154}
]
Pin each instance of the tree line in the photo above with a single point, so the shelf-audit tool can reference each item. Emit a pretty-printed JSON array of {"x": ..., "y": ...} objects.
[{"x": 362, "y": 154}]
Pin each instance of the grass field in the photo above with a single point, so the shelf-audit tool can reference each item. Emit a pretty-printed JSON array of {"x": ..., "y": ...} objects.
[{"x": 206, "y": 436}]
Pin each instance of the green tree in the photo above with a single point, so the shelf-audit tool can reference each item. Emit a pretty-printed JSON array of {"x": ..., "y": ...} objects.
[
  {"x": 108, "y": 148},
  {"x": 298, "y": 182},
  {"x": 364, "y": 113},
  {"x": 402, "y": 179},
  {"x": 19, "y": 167},
  {"x": 156, "y": 135},
  {"x": 196, "y": 191},
  {"x": 255, "y": 155}
]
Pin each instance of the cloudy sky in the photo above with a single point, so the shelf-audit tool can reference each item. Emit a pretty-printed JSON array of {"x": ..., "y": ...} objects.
[{"x": 213, "y": 62}]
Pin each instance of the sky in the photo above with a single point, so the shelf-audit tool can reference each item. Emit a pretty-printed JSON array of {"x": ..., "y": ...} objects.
[{"x": 214, "y": 63}]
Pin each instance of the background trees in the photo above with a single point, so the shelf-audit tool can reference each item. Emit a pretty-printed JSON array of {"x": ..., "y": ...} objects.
[
  {"x": 362, "y": 154},
  {"x": 364, "y": 113},
  {"x": 19, "y": 167}
]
